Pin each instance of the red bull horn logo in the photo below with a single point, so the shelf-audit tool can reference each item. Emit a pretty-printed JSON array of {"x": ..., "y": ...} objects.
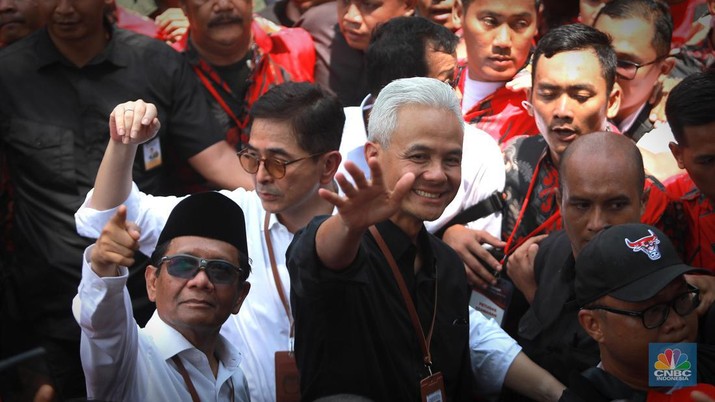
[{"x": 647, "y": 244}]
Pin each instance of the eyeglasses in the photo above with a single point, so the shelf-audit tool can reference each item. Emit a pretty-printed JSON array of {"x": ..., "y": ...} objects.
[
  {"x": 275, "y": 167},
  {"x": 628, "y": 69},
  {"x": 186, "y": 266},
  {"x": 655, "y": 316}
]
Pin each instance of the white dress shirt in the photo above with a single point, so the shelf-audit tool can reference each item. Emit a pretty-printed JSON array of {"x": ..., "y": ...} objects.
[
  {"x": 123, "y": 362},
  {"x": 261, "y": 327},
  {"x": 492, "y": 353}
]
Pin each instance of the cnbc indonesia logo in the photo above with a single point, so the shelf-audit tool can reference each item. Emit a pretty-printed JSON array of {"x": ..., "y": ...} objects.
[{"x": 673, "y": 366}]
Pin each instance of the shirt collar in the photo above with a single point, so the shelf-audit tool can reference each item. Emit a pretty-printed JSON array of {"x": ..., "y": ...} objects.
[
  {"x": 627, "y": 123},
  {"x": 169, "y": 343},
  {"x": 48, "y": 54},
  {"x": 400, "y": 244}
]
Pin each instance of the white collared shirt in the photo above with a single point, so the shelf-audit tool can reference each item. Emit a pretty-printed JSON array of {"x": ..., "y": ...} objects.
[
  {"x": 123, "y": 362},
  {"x": 261, "y": 327}
]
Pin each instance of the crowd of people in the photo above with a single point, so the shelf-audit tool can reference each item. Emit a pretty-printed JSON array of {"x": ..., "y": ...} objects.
[{"x": 393, "y": 200}]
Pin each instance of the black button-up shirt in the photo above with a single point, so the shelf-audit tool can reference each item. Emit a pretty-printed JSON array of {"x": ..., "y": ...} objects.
[
  {"x": 54, "y": 130},
  {"x": 353, "y": 330}
]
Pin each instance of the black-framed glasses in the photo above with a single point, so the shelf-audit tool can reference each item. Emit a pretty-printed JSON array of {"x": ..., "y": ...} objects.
[
  {"x": 628, "y": 69},
  {"x": 654, "y": 316},
  {"x": 186, "y": 266},
  {"x": 275, "y": 167}
]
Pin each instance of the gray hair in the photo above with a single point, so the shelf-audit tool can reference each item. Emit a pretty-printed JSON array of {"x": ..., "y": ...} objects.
[{"x": 408, "y": 91}]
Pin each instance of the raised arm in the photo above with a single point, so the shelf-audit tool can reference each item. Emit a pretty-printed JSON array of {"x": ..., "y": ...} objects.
[
  {"x": 130, "y": 124},
  {"x": 136, "y": 122},
  {"x": 364, "y": 204},
  {"x": 104, "y": 312}
]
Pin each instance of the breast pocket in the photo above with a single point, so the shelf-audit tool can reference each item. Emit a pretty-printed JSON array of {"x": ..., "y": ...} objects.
[{"x": 44, "y": 151}]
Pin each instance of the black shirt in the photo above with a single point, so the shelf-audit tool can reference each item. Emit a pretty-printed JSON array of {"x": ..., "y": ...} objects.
[
  {"x": 353, "y": 329},
  {"x": 549, "y": 331},
  {"x": 54, "y": 127}
]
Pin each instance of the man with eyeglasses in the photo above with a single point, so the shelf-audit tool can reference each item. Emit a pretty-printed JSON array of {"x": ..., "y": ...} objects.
[
  {"x": 641, "y": 32},
  {"x": 292, "y": 153},
  {"x": 632, "y": 292},
  {"x": 197, "y": 278},
  {"x": 601, "y": 183}
]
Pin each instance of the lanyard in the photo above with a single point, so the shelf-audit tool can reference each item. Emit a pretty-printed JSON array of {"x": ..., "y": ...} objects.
[
  {"x": 424, "y": 343},
  {"x": 207, "y": 74},
  {"x": 276, "y": 276},
  {"x": 510, "y": 246},
  {"x": 190, "y": 384}
]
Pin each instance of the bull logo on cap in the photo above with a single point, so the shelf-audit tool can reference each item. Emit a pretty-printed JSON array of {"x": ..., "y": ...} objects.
[{"x": 646, "y": 244}]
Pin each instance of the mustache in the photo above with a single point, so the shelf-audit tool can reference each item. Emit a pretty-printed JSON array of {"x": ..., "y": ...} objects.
[{"x": 225, "y": 19}]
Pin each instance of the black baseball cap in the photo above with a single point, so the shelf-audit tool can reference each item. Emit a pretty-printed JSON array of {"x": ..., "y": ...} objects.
[
  {"x": 208, "y": 214},
  {"x": 631, "y": 262}
]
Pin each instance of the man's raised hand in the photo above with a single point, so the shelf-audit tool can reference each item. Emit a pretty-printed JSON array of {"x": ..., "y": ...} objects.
[
  {"x": 133, "y": 122},
  {"x": 116, "y": 244}
]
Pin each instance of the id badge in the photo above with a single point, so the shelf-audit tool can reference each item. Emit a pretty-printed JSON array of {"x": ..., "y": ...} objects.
[
  {"x": 152, "y": 154},
  {"x": 287, "y": 377},
  {"x": 493, "y": 301},
  {"x": 432, "y": 388}
]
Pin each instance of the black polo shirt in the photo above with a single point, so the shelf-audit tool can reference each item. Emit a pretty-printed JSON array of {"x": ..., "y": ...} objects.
[
  {"x": 54, "y": 128},
  {"x": 353, "y": 330}
]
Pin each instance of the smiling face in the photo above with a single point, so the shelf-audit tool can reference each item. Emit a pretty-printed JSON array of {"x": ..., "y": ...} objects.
[
  {"x": 18, "y": 18},
  {"x": 427, "y": 142},
  {"x": 498, "y": 36},
  {"x": 358, "y": 18},
  {"x": 195, "y": 305},
  {"x": 570, "y": 98}
]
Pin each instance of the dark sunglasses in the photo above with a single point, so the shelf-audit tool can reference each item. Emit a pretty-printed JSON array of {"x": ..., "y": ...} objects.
[{"x": 186, "y": 266}]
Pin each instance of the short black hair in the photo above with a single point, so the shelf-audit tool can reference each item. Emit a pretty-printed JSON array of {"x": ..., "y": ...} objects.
[
  {"x": 316, "y": 116},
  {"x": 398, "y": 49},
  {"x": 578, "y": 37},
  {"x": 691, "y": 103},
  {"x": 654, "y": 11}
]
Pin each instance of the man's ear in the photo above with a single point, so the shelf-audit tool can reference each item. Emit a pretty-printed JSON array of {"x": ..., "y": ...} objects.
[
  {"x": 527, "y": 103},
  {"x": 242, "y": 293},
  {"x": 666, "y": 67},
  {"x": 677, "y": 152},
  {"x": 329, "y": 164},
  {"x": 591, "y": 324},
  {"x": 372, "y": 149},
  {"x": 151, "y": 275},
  {"x": 457, "y": 13},
  {"x": 614, "y": 101}
]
